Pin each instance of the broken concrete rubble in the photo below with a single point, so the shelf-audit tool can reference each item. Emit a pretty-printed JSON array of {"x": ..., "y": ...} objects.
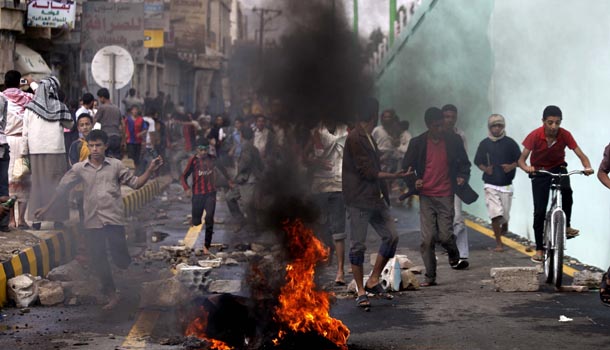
[
  {"x": 193, "y": 277},
  {"x": 230, "y": 262},
  {"x": 257, "y": 247},
  {"x": 176, "y": 250},
  {"x": 23, "y": 289},
  {"x": 50, "y": 293},
  {"x": 588, "y": 279},
  {"x": 72, "y": 271},
  {"x": 155, "y": 255},
  {"x": 408, "y": 281},
  {"x": 515, "y": 279},
  {"x": 210, "y": 263},
  {"x": 225, "y": 286}
]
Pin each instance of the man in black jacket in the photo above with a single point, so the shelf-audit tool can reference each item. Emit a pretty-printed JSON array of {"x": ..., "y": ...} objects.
[
  {"x": 366, "y": 197},
  {"x": 441, "y": 169}
]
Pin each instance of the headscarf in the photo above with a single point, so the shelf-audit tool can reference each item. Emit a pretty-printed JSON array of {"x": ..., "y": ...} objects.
[
  {"x": 18, "y": 97},
  {"x": 496, "y": 119},
  {"x": 46, "y": 103}
]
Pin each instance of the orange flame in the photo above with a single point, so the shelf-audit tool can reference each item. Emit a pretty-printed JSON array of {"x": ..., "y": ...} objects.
[
  {"x": 302, "y": 307},
  {"x": 197, "y": 329}
]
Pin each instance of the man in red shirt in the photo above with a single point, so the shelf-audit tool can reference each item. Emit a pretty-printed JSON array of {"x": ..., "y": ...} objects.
[
  {"x": 202, "y": 168},
  {"x": 440, "y": 164},
  {"x": 547, "y": 146}
]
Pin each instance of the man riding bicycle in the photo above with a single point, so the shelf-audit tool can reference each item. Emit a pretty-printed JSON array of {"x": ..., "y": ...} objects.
[{"x": 547, "y": 146}]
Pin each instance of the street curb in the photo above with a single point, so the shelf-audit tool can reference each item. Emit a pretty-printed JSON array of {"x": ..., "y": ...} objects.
[{"x": 60, "y": 248}]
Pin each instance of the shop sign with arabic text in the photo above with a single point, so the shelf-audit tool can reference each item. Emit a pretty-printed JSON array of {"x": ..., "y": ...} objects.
[{"x": 51, "y": 14}]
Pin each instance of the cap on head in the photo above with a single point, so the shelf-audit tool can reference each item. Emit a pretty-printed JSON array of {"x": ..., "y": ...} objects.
[{"x": 495, "y": 119}]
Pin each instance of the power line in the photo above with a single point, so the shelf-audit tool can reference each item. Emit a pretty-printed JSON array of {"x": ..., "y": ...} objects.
[{"x": 265, "y": 16}]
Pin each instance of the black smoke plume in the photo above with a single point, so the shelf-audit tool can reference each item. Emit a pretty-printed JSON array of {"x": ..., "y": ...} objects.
[{"x": 317, "y": 72}]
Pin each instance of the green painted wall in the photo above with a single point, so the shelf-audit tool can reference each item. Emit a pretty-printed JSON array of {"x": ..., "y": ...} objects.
[{"x": 514, "y": 58}]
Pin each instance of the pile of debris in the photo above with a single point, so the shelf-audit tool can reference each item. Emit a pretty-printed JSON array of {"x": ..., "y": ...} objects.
[{"x": 70, "y": 284}]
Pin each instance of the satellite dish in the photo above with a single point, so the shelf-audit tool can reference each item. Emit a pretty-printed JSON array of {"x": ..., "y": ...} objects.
[{"x": 112, "y": 67}]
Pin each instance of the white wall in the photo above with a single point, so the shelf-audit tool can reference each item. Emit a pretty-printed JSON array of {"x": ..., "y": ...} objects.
[
  {"x": 547, "y": 52},
  {"x": 514, "y": 57}
]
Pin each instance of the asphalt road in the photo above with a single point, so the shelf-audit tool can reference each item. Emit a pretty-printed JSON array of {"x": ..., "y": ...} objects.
[{"x": 462, "y": 312}]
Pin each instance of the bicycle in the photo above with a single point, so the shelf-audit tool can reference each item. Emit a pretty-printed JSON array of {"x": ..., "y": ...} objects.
[{"x": 555, "y": 230}]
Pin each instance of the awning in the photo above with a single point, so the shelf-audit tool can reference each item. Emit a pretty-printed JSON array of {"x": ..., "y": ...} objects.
[{"x": 29, "y": 62}]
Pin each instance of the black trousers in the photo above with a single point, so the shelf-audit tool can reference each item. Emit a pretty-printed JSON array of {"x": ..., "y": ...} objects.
[
  {"x": 540, "y": 191},
  {"x": 200, "y": 203},
  {"x": 111, "y": 238},
  {"x": 133, "y": 152}
]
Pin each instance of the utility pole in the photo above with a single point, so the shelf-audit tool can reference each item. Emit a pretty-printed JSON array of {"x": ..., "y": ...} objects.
[
  {"x": 265, "y": 16},
  {"x": 356, "y": 18},
  {"x": 392, "y": 20}
]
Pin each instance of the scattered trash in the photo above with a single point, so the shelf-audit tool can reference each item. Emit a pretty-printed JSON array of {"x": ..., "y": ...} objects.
[{"x": 562, "y": 318}]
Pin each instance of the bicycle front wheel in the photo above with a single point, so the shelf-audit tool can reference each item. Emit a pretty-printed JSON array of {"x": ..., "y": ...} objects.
[
  {"x": 560, "y": 229},
  {"x": 548, "y": 251}
]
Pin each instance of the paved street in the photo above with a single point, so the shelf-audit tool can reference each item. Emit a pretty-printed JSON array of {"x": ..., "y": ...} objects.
[{"x": 462, "y": 312}]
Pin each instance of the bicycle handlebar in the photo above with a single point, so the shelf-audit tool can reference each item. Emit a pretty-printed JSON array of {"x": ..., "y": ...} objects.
[{"x": 538, "y": 172}]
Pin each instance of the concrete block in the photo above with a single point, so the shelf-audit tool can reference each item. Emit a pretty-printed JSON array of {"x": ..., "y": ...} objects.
[
  {"x": 72, "y": 271},
  {"x": 225, "y": 286},
  {"x": 404, "y": 261},
  {"x": 193, "y": 277},
  {"x": 50, "y": 293},
  {"x": 573, "y": 288},
  {"x": 23, "y": 290},
  {"x": 409, "y": 281},
  {"x": 258, "y": 248},
  {"x": 390, "y": 275},
  {"x": 588, "y": 279},
  {"x": 515, "y": 279},
  {"x": 210, "y": 263}
]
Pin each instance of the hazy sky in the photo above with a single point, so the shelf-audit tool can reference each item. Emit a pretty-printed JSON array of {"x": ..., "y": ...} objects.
[{"x": 372, "y": 13}]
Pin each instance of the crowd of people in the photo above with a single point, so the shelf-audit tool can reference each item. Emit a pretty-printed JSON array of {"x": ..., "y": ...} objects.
[{"x": 351, "y": 169}]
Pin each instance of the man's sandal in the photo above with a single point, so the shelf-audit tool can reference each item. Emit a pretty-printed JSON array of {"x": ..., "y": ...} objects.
[
  {"x": 379, "y": 291},
  {"x": 363, "y": 301}
]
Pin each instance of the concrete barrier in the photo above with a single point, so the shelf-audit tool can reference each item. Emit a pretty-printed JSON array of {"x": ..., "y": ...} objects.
[{"x": 60, "y": 248}]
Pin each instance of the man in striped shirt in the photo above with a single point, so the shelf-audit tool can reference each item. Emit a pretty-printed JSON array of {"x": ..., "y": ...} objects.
[{"x": 202, "y": 168}]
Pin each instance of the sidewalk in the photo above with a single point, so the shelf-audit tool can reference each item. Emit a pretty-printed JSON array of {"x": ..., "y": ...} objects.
[{"x": 38, "y": 252}]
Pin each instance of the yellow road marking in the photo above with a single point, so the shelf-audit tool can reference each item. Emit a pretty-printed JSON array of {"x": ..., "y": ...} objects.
[
  {"x": 513, "y": 244},
  {"x": 136, "y": 339},
  {"x": 147, "y": 319},
  {"x": 191, "y": 236}
]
